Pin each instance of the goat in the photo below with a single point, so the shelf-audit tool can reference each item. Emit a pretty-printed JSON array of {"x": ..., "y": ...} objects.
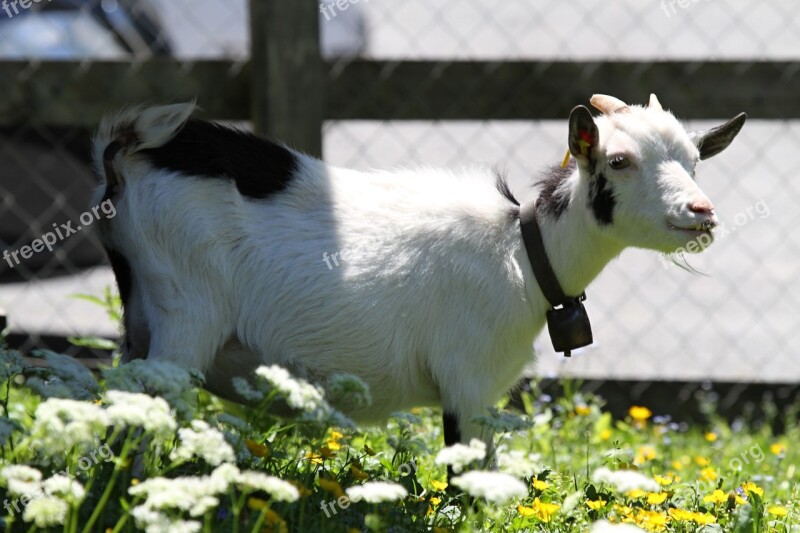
[{"x": 231, "y": 251}]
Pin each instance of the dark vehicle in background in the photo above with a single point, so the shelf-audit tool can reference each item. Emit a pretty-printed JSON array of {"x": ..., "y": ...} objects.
[{"x": 45, "y": 172}]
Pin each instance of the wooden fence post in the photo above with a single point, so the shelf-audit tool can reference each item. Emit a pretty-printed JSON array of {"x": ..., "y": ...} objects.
[{"x": 288, "y": 80}]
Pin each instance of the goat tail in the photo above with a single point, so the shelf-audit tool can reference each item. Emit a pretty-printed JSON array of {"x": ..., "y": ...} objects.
[{"x": 133, "y": 130}]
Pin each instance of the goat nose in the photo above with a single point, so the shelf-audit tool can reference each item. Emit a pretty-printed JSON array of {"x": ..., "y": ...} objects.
[{"x": 703, "y": 207}]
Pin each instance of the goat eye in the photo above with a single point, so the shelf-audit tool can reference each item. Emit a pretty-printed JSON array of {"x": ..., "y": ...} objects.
[{"x": 619, "y": 163}]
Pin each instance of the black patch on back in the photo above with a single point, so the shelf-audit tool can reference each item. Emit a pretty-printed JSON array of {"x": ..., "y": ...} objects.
[
  {"x": 259, "y": 168},
  {"x": 553, "y": 201},
  {"x": 601, "y": 199}
]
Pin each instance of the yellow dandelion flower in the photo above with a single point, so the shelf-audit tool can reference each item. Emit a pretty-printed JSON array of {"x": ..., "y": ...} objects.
[
  {"x": 777, "y": 510},
  {"x": 664, "y": 480},
  {"x": 711, "y": 436},
  {"x": 314, "y": 458},
  {"x": 544, "y": 511},
  {"x": 701, "y": 461},
  {"x": 644, "y": 454},
  {"x": 358, "y": 473},
  {"x": 677, "y": 465},
  {"x": 716, "y": 497},
  {"x": 704, "y": 518},
  {"x": 336, "y": 435},
  {"x": 333, "y": 445},
  {"x": 635, "y": 494},
  {"x": 435, "y": 501},
  {"x": 640, "y": 414},
  {"x": 525, "y": 511},
  {"x": 651, "y": 520},
  {"x": 583, "y": 410},
  {"x": 752, "y": 487},
  {"x": 681, "y": 515},
  {"x": 605, "y": 434},
  {"x": 708, "y": 474},
  {"x": 438, "y": 486},
  {"x": 656, "y": 498},
  {"x": 331, "y": 486},
  {"x": 257, "y": 449},
  {"x": 596, "y": 505},
  {"x": 777, "y": 448},
  {"x": 134, "y": 482},
  {"x": 540, "y": 485},
  {"x": 739, "y": 500}
]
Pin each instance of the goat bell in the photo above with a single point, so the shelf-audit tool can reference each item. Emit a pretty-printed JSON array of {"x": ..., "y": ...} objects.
[{"x": 569, "y": 327}]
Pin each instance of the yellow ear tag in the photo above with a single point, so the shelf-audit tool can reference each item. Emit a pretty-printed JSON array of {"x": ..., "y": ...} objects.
[
  {"x": 566, "y": 159},
  {"x": 585, "y": 145}
]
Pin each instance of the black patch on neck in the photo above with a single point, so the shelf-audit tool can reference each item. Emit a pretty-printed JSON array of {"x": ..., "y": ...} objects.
[
  {"x": 259, "y": 168},
  {"x": 601, "y": 199},
  {"x": 552, "y": 200}
]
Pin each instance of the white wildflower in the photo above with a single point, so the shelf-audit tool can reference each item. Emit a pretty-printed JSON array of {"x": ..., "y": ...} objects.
[
  {"x": 158, "y": 378},
  {"x": 45, "y": 512},
  {"x": 191, "y": 494},
  {"x": 279, "y": 489},
  {"x": 140, "y": 410},
  {"x": 201, "y": 440},
  {"x": 61, "y": 425},
  {"x": 604, "y": 526},
  {"x": 459, "y": 455},
  {"x": 518, "y": 463},
  {"x": 222, "y": 477},
  {"x": 299, "y": 393},
  {"x": 625, "y": 480},
  {"x": 347, "y": 391},
  {"x": 492, "y": 486},
  {"x": 22, "y": 480},
  {"x": 377, "y": 492},
  {"x": 246, "y": 390},
  {"x": 155, "y": 522},
  {"x": 64, "y": 487}
]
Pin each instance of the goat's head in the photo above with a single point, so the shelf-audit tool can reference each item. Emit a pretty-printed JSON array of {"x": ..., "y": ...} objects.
[{"x": 637, "y": 167}]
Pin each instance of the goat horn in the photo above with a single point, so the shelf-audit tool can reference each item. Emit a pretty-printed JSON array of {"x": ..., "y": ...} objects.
[
  {"x": 608, "y": 104},
  {"x": 654, "y": 103}
]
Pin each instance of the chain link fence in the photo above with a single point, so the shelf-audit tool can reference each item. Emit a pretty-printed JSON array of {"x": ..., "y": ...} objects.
[{"x": 737, "y": 321}]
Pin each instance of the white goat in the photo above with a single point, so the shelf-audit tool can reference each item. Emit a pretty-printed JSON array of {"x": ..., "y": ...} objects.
[{"x": 227, "y": 249}]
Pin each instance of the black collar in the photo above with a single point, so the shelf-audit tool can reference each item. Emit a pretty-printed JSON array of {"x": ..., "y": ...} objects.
[{"x": 567, "y": 320}]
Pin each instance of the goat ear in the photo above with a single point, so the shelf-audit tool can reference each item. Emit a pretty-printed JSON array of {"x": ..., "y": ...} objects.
[
  {"x": 713, "y": 141},
  {"x": 583, "y": 134}
]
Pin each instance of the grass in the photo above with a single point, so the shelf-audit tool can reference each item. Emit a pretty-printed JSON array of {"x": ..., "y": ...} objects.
[{"x": 129, "y": 462}]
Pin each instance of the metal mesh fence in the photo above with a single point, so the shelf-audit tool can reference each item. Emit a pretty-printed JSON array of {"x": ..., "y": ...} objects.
[{"x": 652, "y": 320}]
